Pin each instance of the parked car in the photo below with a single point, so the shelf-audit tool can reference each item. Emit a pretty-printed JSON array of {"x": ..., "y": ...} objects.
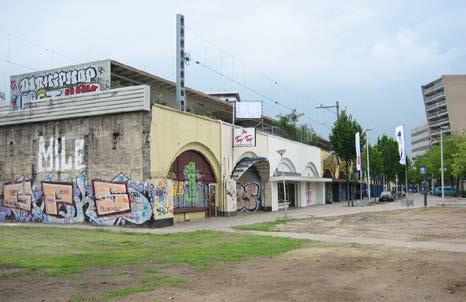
[
  {"x": 449, "y": 191},
  {"x": 386, "y": 196}
]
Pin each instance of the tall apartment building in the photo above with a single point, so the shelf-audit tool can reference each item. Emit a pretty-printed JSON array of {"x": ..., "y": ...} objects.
[
  {"x": 419, "y": 141},
  {"x": 445, "y": 104}
]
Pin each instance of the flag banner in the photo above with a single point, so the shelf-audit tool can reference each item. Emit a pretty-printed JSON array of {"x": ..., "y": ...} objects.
[
  {"x": 358, "y": 152},
  {"x": 400, "y": 138}
]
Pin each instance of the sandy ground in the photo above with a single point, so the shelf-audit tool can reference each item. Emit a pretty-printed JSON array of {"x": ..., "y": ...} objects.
[{"x": 424, "y": 224}]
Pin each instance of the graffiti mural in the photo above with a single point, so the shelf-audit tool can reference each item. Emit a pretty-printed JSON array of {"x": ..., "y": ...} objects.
[
  {"x": 248, "y": 189},
  {"x": 57, "y": 196},
  {"x": 64, "y": 81},
  {"x": 161, "y": 192},
  {"x": 192, "y": 182},
  {"x": 18, "y": 195},
  {"x": 308, "y": 193},
  {"x": 111, "y": 197},
  {"x": 77, "y": 199}
]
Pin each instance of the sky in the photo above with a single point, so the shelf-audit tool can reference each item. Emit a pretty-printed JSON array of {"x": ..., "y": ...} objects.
[{"x": 371, "y": 56}]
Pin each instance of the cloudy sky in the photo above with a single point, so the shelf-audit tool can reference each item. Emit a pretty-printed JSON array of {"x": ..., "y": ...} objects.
[{"x": 372, "y": 56}]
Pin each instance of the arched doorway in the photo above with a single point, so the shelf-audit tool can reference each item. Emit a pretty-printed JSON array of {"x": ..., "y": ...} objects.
[
  {"x": 193, "y": 183},
  {"x": 251, "y": 175}
]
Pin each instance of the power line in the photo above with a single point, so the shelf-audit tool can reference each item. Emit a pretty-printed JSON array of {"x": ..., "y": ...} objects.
[
  {"x": 257, "y": 92},
  {"x": 17, "y": 64},
  {"x": 51, "y": 51}
]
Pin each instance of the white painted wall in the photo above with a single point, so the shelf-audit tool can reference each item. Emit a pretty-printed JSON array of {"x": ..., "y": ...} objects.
[{"x": 299, "y": 154}]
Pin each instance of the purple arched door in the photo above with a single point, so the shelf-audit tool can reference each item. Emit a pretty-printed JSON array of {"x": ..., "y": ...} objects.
[{"x": 194, "y": 183}]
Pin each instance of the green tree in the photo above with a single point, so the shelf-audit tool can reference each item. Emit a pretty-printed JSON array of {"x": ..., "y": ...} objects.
[
  {"x": 389, "y": 158},
  {"x": 454, "y": 159},
  {"x": 288, "y": 123},
  {"x": 342, "y": 141}
]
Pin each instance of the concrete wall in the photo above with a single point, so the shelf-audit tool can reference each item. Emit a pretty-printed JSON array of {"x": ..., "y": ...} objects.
[{"x": 100, "y": 146}]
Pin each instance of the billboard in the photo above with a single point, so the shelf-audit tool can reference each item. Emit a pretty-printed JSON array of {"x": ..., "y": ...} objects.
[
  {"x": 248, "y": 110},
  {"x": 244, "y": 137},
  {"x": 64, "y": 81}
]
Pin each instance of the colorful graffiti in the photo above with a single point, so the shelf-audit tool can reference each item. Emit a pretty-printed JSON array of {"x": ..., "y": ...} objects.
[
  {"x": 248, "y": 190},
  {"x": 56, "y": 197},
  {"x": 161, "y": 192},
  {"x": 76, "y": 199},
  {"x": 18, "y": 195},
  {"x": 64, "y": 81},
  {"x": 111, "y": 197},
  {"x": 191, "y": 185},
  {"x": 308, "y": 193}
]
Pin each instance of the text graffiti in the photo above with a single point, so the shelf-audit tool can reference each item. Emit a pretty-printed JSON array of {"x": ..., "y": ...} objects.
[
  {"x": 111, "y": 197},
  {"x": 18, "y": 195},
  {"x": 57, "y": 195},
  {"x": 53, "y": 156}
]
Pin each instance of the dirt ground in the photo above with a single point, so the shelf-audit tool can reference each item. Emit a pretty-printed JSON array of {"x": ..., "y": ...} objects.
[
  {"x": 422, "y": 224},
  {"x": 316, "y": 272}
]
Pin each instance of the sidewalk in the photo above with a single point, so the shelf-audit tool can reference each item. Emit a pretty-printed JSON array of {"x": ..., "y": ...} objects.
[{"x": 226, "y": 223}]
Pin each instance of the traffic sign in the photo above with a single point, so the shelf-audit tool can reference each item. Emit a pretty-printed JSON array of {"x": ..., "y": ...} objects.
[{"x": 423, "y": 170}]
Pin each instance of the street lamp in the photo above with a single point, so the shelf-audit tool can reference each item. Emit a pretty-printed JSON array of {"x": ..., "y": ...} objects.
[
  {"x": 368, "y": 170},
  {"x": 441, "y": 162},
  {"x": 281, "y": 152}
]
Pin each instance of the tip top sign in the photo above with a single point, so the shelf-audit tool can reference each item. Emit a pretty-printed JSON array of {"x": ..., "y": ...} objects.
[{"x": 244, "y": 137}]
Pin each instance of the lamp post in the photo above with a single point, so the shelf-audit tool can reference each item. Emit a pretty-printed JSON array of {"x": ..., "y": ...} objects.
[
  {"x": 368, "y": 170},
  {"x": 281, "y": 152},
  {"x": 441, "y": 162}
]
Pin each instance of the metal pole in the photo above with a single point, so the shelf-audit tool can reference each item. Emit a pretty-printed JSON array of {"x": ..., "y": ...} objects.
[
  {"x": 338, "y": 109},
  {"x": 425, "y": 189},
  {"x": 368, "y": 171},
  {"x": 284, "y": 187},
  {"x": 441, "y": 167}
]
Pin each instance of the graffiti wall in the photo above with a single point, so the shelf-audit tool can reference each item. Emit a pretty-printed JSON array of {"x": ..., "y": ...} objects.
[
  {"x": 63, "y": 81},
  {"x": 308, "y": 193},
  {"x": 193, "y": 182},
  {"x": 248, "y": 190},
  {"x": 118, "y": 201}
]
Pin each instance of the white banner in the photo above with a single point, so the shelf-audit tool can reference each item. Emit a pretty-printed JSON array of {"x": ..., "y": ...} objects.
[
  {"x": 400, "y": 138},
  {"x": 358, "y": 152},
  {"x": 244, "y": 137},
  {"x": 248, "y": 110}
]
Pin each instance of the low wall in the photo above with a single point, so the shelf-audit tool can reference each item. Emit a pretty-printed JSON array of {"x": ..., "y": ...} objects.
[{"x": 117, "y": 201}]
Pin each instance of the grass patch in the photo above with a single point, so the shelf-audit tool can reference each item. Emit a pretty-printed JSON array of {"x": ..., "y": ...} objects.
[
  {"x": 268, "y": 226},
  {"x": 58, "y": 251},
  {"x": 79, "y": 297},
  {"x": 149, "y": 283}
]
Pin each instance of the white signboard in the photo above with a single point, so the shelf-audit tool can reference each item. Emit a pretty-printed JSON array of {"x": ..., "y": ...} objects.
[
  {"x": 248, "y": 110},
  {"x": 244, "y": 137},
  {"x": 65, "y": 81}
]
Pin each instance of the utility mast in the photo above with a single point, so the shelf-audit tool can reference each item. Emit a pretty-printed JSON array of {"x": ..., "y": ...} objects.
[
  {"x": 180, "y": 63},
  {"x": 336, "y": 106}
]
